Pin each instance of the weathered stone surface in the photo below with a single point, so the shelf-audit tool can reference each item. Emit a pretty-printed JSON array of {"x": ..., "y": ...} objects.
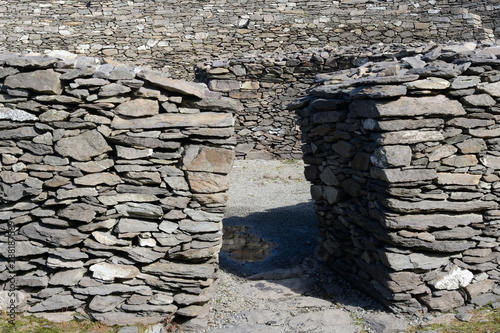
[
  {"x": 391, "y": 156},
  {"x": 378, "y": 92},
  {"x": 492, "y": 89},
  {"x": 177, "y": 86},
  {"x": 398, "y": 176},
  {"x": 204, "y": 182},
  {"x": 98, "y": 179},
  {"x": 41, "y": 81},
  {"x": 385, "y": 323},
  {"x": 105, "y": 303},
  {"x": 452, "y": 279},
  {"x": 138, "y": 108},
  {"x": 94, "y": 166},
  {"x": 216, "y": 104},
  {"x": 408, "y": 106},
  {"x": 436, "y": 206},
  {"x": 446, "y": 302},
  {"x": 54, "y": 236},
  {"x": 425, "y": 222},
  {"x": 203, "y": 271},
  {"x": 132, "y": 153},
  {"x": 110, "y": 272},
  {"x": 199, "y": 227},
  {"x": 141, "y": 210},
  {"x": 67, "y": 278},
  {"x": 113, "y": 200},
  {"x": 90, "y": 144},
  {"x": 399, "y": 262},
  {"x": 479, "y": 100},
  {"x": 16, "y": 115},
  {"x": 430, "y": 83},
  {"x": 133, "y": 225},
  {"x": 57, "y": 302},
  {"x": 119, "y": 318},
  {"x": 457, "y": 179},
  {"x": 175, "y": 120},
  {"x": 409, "y": 137},
  {"x": 78, "y": 212},
  {"x": 208, "y": 159}
]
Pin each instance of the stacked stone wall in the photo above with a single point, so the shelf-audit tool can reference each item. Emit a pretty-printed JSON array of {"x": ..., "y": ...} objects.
[
  {"x": 175, "y": 35},
  {"x": 266, "y": 84},
  {"x": 404, "y": 162},
  {"x": 113, "y": 187}
]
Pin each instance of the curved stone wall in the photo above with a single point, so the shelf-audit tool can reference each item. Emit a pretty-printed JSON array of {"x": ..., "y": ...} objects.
[
  {"x": 265, "y": 129},
  {"x": 403, "y": 157},
  {"x": 175, "y": 35},
  {"x": 113, "y": 187}
]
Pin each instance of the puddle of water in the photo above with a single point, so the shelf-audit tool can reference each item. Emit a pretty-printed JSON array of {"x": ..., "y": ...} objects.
[{"x": 240, "y": 244}]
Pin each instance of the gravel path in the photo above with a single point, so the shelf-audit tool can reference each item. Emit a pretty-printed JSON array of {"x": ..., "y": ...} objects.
[{"x": 270, "y": 217}]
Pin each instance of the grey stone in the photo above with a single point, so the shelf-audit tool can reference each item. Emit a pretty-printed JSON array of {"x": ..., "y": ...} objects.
[
  {"x": 479, "y": 100},
  {"x": 54, "y": 236},
  {"x": 425, "y": 222},
  {"x": 16, "y": 115},
  {"x": 110, "y": 272},
  {"x": 41, "y": 81},
  {"x": 170, "y": 120},
  {"x": 398, "y": 176},
  {"x": 144, "y": 255},
  {"x": 385, "y": 323},
  {"x": 378, "y": 92},
  {"x": 414, "y": 260},
  {"x": 395, "y": 156},
  {"x": 464, "y": 82},
  {"x": 408, "y": 106},
  {"x": 94, "y": 166},
  {"x": 436, "y": 206},
  {"x": 334, "y": 321},
  {"x": 141, "y": 210},
  {"x": 57, "y": 302},
  {"x": 195, "y": 271},
  {"x": 177, "y": 86},
  {"x": 107, "y": 289},
  {"x": 208, "y": 159},
  {"x": 119, "y": 318},
  {"x": 199, "y": 227},
  {"x": 430, "y": 83},
  {"x": 113, "y": 89},
  {"x": 409, "y": 137},
  {"x": 90, "y": 144},
  {"x": 105, "y": 303},
  {"x": 126, "y": 225},
  {"x": 138, "y": 108},
  {"x": 215, "y": 104},
  {"x": 67, "y": 278}
]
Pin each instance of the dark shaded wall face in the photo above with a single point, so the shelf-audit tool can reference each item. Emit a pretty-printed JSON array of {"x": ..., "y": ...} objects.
[{"x": 403, "y": 161}]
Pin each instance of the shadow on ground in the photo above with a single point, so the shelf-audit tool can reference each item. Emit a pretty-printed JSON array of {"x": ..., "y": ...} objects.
[
  {"x": 276, "y": 238},
  {"x": 284, "y": 240}
]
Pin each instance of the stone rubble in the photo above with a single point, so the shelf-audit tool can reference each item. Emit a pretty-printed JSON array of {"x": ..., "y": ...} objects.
[
  {"x": 116, "y": 189},
  {"x": 403, "y": 160}
]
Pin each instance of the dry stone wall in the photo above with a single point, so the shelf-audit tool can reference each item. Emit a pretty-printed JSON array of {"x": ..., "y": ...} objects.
[
  {"x": 177, "y": 34},
  {"x": 404, "y": 162},
  {"x": 113, "y": 187},
  {"x": 266, "y": 84}
]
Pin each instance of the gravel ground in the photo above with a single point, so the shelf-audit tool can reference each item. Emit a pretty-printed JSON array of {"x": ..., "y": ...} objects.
[{"x": 270, "y": 204}]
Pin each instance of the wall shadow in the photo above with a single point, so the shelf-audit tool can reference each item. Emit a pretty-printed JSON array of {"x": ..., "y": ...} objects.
[{"x": 285, "y": 240}]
